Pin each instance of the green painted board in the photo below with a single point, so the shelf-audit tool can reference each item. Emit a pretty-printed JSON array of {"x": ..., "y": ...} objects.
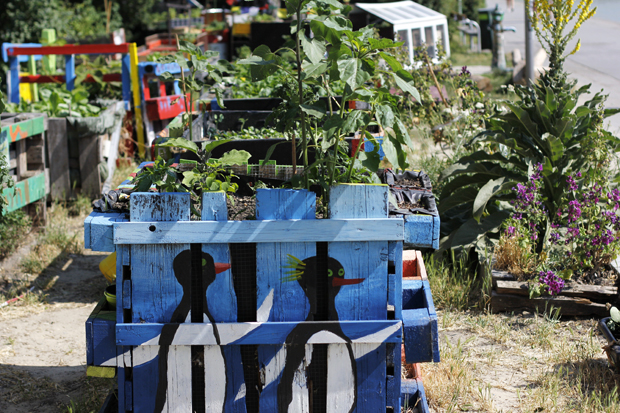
[
  {"x": 24, "y": 129},
  {"x": 24, "y": 192}
]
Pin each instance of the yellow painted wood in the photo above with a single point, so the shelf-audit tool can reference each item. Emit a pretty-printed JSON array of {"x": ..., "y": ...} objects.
[{"x": 135, "y": 86}]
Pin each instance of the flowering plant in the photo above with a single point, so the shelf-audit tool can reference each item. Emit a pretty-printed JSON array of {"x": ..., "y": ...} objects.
[
  {"x": 584, "y": 233},
  {"x": 588, "y": 229}
]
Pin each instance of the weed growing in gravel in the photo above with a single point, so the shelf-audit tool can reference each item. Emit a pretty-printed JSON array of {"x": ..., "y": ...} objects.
[{"x": 14, "y": 226}]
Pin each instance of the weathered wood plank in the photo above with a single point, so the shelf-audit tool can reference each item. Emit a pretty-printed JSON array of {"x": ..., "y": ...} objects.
[
  {"x": 568, "y": 305},
  {"x": 322, "y": 230},
  {"x": 101, "y": 230},
  {"x": 371, "y": 378},
  {"x": 145, "y": 374},
  {"x": 179, "y": 388},
  {"x": 156, "y": 290},
  {"x": 90, "y": 155},
  {"x": 196, "y": 334},
  {"x": 422, "y": 231},
  {"x": 419, "y": 323},
  {"x": 58, "y": 149},
  {"x": 592, "y": 292}
]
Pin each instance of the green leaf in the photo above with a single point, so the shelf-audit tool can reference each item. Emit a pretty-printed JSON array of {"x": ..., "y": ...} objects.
[
  {"x": 488, "y": 191},
  {"x": 391, "y": 153},
  {"x": 235, "y": 157},
  {"x": 459, "y": 197},
  {"x": 189, "y": 178},
  {"x": 370, "y": 160},
  {"x": 270, "y": 152},
  {"x": 472, "y": 230},
  {"x": 313, "y": 110},
  {"x": 385, "y": 115},
  {"x": 212, "y": 145},
  {"x": 313, "y": 70},
  {"x": 355, "y": 121},
  {"x": 391, "y": 61},
  {"x": 353, "y": 71},
  {"x": 407, "y": 87},
  {"x": 314, "y": 49},
  {"x": 180, "y": 143}
]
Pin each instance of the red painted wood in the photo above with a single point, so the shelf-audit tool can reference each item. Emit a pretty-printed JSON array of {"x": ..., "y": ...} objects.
[
  {"x": 110, "y": 77},
  {"x": 161, "y": 107},
  {"x": 69, "y": 49}
]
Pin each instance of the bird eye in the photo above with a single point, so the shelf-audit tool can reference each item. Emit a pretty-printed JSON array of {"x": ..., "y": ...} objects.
[
  {"x": 204, "y": 262},
  {"x": 330, "y": 273},
  {"x": 341, "y": 272}
]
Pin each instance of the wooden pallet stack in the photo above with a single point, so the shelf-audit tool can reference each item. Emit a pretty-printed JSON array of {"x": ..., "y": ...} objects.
[
  {"x": 286, "y": 313},
  {"x": 22, "y": 141}
]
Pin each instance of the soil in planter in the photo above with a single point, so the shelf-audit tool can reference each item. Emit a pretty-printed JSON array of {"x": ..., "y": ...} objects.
[
  {"x": 409, "y": 205},
  {"x": 241, "y": 208},
  {"x": 604, "y": 276},
  {"x": 416, "y": 183}
]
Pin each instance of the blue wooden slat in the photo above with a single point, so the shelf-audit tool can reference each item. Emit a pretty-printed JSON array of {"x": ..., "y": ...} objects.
[
  {"x": 422, "y": 231},
  {"x": 147, "y": 334},
  {"x": 222, "y": 303},
  {"x": 87, "y": 221},
  {"x": 413, "y": 395},
  {"x": 156, "y": 292},
  {"x": 99, "y": 230},
  {"x": 146, "y": 378},
  {"x": 421, "y": 336},
  {"x": 221, "y": 298},
  {"x": 397, "y": 283},
  {"x": 271, "y": 363},
  {"x": 285, "y": 204},
  {"x": 322, "y": 230},
  {"x": 129, "y": 395},
  {"x": 367, "y": 300},
  {"x": 126, "y": 294}
]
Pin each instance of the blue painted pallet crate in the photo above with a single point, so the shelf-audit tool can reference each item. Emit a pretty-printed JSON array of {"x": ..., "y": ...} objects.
[
  {"x": 101, "y": 336},
  {"x": 183, "y": 320}
]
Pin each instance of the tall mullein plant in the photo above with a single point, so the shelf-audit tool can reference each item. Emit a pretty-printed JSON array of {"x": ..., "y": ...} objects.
[
  {"x": 552, "y": 21},
  {"x": 545, "y": 125}
]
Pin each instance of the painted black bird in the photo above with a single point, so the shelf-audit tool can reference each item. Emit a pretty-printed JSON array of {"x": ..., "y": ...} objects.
[
  {"x": 182, "y": 266},
  {"x": 306, "y": 273}
]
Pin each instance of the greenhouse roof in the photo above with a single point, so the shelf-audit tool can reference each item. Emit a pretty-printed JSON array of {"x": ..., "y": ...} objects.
[{"x": 400, "y": 12}]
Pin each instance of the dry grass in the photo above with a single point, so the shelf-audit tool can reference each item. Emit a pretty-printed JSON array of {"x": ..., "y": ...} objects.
[
  {"x": 520, "y": 363},
  {"x": 511, "y": 255}
]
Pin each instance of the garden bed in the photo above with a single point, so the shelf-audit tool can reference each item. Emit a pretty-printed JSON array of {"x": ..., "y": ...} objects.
[{"x": 575, "y": 299}]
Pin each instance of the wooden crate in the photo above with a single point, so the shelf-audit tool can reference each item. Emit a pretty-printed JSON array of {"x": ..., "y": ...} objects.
[
  {"x": 22, "y": 140},
  {"x": 285, "y": 343}
]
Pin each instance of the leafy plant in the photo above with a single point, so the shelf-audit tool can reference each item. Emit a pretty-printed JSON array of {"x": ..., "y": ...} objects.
[
  {"x": 198, "y": 62},
  {"x": 206, "y": 175},
  {"x": 545, "y": 126},
  {"x": 58, "y": 102},
  {"x": 334, "y": 52}
]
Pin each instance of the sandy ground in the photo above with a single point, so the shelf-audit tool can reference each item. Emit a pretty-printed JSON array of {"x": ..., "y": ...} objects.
[{"x": 43, "y": 344}]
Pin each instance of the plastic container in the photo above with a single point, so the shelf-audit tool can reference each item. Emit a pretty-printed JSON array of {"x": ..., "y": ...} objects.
[
  {"x": 108, "y": 267},
  {"x": 110, "y": 295}
]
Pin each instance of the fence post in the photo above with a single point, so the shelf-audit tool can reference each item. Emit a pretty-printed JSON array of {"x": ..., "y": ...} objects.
[
  {"x": 70, "y": 72},
  {"x": 13, "y": 80}
]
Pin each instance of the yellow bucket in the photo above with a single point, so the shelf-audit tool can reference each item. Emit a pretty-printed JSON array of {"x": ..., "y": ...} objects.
[
  {"x": 110, "y": 295},
  {"x": 108, "y": 267}
]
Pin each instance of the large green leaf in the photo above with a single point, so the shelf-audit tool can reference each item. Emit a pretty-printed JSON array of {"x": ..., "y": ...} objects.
[
  {"x": 391, "y": 153},
  {"x": 463, "y": 168},
  {"x": 180, "y": 143},
  {"x": 212, "y": 145},
  {"x": 235, "y": 157},
  {"x": 488, "y": 191},
  {"x": 391, "y": 61},
  {"x": 311, "y": 70},
  {"x": 407, "y": 87},
  {"x": 353, "y": 71},
  {"x": 314, "y": 49},
  {"x": 385, "y": 115},
  {"x": 472, "y": 230},
  {"x": 460, "y": 197},
  {"x": 315, "y": 110}
]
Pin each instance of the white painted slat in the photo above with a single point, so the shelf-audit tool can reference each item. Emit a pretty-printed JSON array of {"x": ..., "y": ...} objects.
[
  {"x": 179, "y": 391},
  {"x": 224, "y": 232},
  {"x": 340, "y": 380},
  {"x": 215, "y": 379}
]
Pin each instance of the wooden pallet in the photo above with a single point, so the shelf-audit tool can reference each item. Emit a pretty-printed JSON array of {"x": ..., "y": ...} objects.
[
  {"x": 279, "y": 322},
  {"x": 575, "y": 299},
  {"x": 22, "y": 140}
]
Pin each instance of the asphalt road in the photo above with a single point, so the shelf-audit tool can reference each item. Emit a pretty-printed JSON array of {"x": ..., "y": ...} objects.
[{"x": 598, "y": 61}]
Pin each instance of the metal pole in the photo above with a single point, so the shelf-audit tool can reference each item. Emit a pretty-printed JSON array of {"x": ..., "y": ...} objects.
[{"x": 529, "y": 49}]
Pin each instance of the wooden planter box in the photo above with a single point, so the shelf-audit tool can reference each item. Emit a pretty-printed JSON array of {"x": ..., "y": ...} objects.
[
  {"x": 23, "y": 143},
  {"x": 248, "y": 315},
  {"x": 574, "y": 300}
]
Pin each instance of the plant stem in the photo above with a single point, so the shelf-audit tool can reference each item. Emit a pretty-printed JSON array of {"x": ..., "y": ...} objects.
[
  {"x": 304, "y": 138},
  {"x": 187, "y": 111},
  {"x": 430, "y": 69},
  {"x": 357, "y": 149}
]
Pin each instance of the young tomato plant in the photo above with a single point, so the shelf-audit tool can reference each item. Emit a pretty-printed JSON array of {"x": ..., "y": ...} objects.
[{"x": 336, "y": 53}]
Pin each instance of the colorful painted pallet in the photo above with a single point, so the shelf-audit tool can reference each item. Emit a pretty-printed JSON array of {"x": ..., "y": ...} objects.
[
  {"x": 248, "y": 323},
  {"x": 22, "y": 142}
]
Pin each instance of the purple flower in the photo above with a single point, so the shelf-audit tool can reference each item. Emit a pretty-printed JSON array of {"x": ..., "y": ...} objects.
[
  {"x": 554, "y": 283},
  {"x": 510, "y": 231}
]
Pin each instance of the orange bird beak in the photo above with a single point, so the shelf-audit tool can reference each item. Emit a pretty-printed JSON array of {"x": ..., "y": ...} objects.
[
  {"x": 337, "y": 282},
  {"x": 220, "y": 267}
]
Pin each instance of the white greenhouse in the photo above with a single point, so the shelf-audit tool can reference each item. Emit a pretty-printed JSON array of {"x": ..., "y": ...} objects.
[{"x": 411, "y": 22}]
